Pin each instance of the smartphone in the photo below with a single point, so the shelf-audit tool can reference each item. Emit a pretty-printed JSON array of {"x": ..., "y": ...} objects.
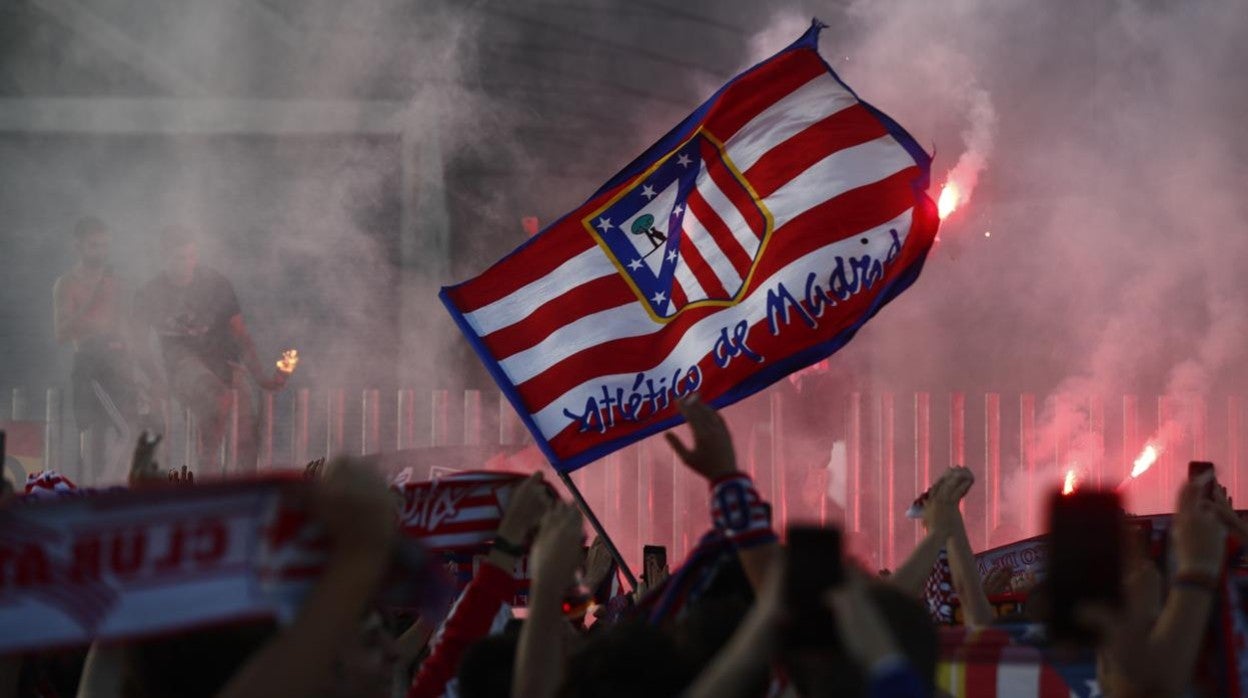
[
  {"x": 813, "y": 566},
  {"x": 1202, "y": 472},
  {"x": 653, "y": 562},
  {"x": 1086, "y": 541},
  {"x": 1142, "y": 536}
]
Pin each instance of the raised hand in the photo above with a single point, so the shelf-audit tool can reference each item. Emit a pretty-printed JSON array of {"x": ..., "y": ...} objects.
[
  {"x": 655, "y": 574},
  {"x": 941, "y": 513},
  {"x": 944, "y": 523},
  {"x": 863, "y": 630},
  {"x": 1199, "y": 532},
  {"x": 357, "y": 510},
  {"x": 186, "y": 477},
  {"x": 530, "y": 501},
  {"x": 312, "y": 471},
  {"x": 356, "y": 507},
  {"x": 143, "y": 465},
  {"x": 598, "y": 563},
  {"x": 712, "y": 455},
  {"x": 556, "y": 551}
]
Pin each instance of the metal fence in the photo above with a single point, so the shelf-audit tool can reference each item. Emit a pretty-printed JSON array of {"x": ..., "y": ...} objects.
[{"x": 857, "y": 459}]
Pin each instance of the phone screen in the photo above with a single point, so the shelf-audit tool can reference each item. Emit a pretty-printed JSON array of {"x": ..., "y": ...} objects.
[
  {"x": 813, "y": 566},
  {"x": 1085, "y": 558},
  {"x": 1202, "y": 472},
  {"x": 653, "y": 562}
]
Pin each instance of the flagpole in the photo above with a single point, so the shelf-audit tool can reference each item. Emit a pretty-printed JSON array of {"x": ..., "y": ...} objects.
[{"x": 597, "y": 525}]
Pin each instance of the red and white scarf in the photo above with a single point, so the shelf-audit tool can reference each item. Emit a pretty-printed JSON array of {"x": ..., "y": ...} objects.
[
  {"x": 156, "y": 560},
  {"x": 457, "y": 516}
]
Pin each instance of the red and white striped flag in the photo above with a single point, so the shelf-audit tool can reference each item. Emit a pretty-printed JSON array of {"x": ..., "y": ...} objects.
[
  {"x": 752, "y": 240},
  {"x": 997, "y": 663}
]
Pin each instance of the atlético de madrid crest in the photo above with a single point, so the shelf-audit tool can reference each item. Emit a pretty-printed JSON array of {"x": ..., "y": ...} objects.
[{"x": 686, "y": 232}]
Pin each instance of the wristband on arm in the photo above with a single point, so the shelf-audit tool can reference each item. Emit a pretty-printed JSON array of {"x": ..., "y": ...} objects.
[{"x": 740, "y": 513}]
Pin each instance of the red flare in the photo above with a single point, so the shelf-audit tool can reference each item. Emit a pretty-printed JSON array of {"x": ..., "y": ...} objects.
[
  {"x": 950, "y": 198},
  {"x": 1145, "y": 460},
  {"x": 1071, "y": 483}
]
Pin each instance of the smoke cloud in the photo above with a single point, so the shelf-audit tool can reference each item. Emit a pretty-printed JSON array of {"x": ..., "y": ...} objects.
[
  {"x": 1098, "y": 141},
  {"x": 1096, "y": 146}
]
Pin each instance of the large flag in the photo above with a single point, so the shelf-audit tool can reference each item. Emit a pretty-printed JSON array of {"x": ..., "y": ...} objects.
[{"x": 752, "y": 240}]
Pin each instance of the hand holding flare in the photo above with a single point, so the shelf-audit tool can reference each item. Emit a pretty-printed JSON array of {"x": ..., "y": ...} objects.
[
  {"x": 288, "y": 362},
  {"x": 286, "y": 366}
]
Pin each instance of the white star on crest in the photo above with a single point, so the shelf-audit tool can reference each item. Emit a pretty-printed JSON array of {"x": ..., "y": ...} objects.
[
  {"x": 603, "y": 224},
  {"x": 678, "y": 209},
  {"x": 684, "y": 160},
  {"x": 671, "y": 255},
  {"x": 648, "y": 192},
  {"x": 658, "y": 297},
  {"x": 635, "y": 264}
]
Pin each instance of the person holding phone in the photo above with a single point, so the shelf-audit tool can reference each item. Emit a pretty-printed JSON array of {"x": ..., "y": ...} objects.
[{"x": 1145, "y": 651}]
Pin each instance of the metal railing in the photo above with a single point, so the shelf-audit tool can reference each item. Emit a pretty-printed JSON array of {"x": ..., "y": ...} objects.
[{"x": 857, "y": 458}]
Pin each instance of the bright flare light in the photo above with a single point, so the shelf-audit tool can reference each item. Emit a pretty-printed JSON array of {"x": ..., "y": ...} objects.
[
  {"x": 949, "y": 199},
  {"x": 1145, "y": 460},
  {"x": 1071, "y": 483},
  {"x": 289, "y": 360}
]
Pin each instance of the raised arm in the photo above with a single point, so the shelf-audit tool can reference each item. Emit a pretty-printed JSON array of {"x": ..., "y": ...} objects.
[
  {"x": 493, "y": 586},
  {"x": 866, "y": 636},
  {"x": 912, "y": 574},
  {"x": 746, "y": 659},
  {"x": 103, "y": 673},
  {"x": 358, "y": 513},
  {"x": 554, "y": 558},
  {"x": 1200, "y": 546},
  {"x": 1137, "y": 656},
  {"x": 940, "y": 520},
  {"x": 737, "y": 507},
  {"x": 976, "y": 610},
  {"x": 946, "y": 530}
]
